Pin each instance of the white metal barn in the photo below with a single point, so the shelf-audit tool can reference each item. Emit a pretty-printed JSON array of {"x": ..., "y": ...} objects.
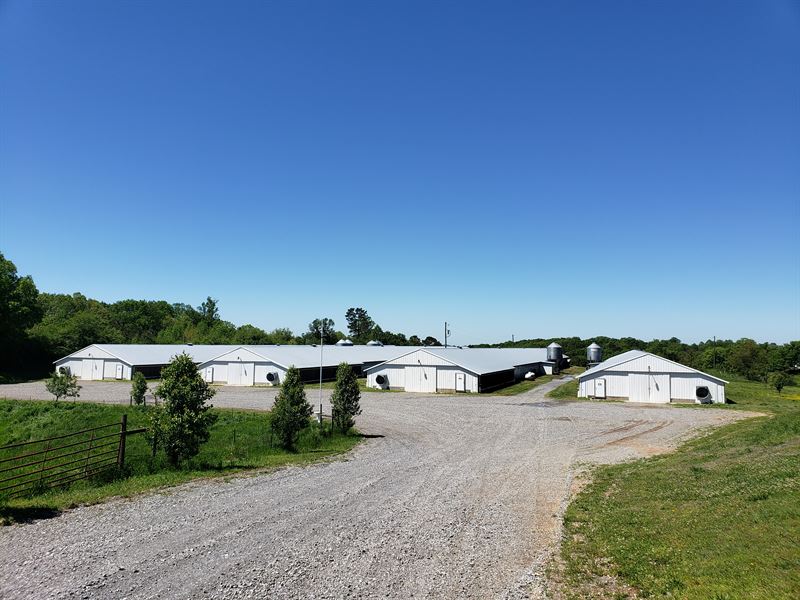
[
  {"x": 435, "y": 369},
  {"x": 119, "y": 361},
  {"x": 223, "y": 364},
  {"x": 639, "y": 376},
  {"x": 267, "y": 365}
]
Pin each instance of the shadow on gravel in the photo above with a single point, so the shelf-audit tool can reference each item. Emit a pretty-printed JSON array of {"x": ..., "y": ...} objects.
[
  {"x": 370, "y": 436},
  {"x": 9, "y": 516}
]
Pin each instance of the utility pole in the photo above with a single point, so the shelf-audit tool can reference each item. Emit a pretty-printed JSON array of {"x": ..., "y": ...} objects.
[
  {"x": 715, "y": 351},
  {"x": 321, "y": 341}
]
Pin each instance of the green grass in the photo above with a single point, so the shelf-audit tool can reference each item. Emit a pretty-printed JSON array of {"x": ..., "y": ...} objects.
[
  {"x": 568, "y": 390},
  {"x": 523, "y": 386},
  {"x": 717, "y": 519},
  {"x": 240, "y": 441}
]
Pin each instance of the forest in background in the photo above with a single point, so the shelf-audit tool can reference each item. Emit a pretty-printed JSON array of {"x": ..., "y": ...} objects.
[{"x": 37, "y": 328}]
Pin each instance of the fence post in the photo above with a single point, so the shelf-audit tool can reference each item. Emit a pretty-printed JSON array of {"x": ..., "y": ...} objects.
[
  {"x": 123, "y": 429},
  {"x": 44, "y": 461},
  {"x": 88, "y": 453}
]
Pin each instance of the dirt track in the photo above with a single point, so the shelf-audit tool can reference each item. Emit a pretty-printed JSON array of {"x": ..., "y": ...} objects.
[{"x": 461, "y": 497}]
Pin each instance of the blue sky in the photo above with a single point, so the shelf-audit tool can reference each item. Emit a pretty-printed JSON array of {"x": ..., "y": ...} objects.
[{"x": 536, "y": 169}]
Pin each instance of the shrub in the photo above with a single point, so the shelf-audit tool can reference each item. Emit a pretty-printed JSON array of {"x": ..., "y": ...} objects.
[
  {"x": 63, "y": 385},
  {"x": 183, "y": 423},
  {"x": 291, "y": 411},
  {"x": 345, "y": 399},
  {"x": 779, "y": 380},
  {"x": 138, "y": 389}
]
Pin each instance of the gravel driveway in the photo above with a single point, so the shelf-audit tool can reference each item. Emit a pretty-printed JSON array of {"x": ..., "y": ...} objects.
[{"x": 460, "y": 497}]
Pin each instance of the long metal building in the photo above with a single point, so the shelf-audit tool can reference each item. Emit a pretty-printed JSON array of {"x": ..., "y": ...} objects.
[
  {"x": 639, "y": 376},
  {"x": 223, "y": 364},
  {"x": 435, "y": 369}
]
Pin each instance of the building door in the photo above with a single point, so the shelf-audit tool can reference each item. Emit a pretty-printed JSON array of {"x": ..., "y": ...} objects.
[
  {"x": 234, "y": 373},
  {"x": 118, "y": 373},
  {"x": 248, "y": 374},
  {"x": 86, "y": 369},
  {"x": 92, "y": 369},
  {"x": 461, "y": 382},
  {"x": 649, "y": 387},
  {"x": 420, "y": 379},
  {"x": 659, "y": 388},
  {"x": 209, "y": 374},
  {"x": 599, "y": 388}
]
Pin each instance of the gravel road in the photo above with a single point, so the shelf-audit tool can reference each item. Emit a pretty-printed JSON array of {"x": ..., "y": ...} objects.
[{"x": 458, "y": 497}]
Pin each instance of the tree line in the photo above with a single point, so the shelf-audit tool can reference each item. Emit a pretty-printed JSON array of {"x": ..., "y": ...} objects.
[{"x": 37, "y": 328}]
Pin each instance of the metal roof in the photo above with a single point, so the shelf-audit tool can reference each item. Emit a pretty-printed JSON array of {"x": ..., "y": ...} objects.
[
  {"x": 482, "y": 360},
  {"x": 284, "y": 355},
  {"x": 154, "y": 354},
  {"x": 630, "y": 355},
  {"x": 309, "y": 356},
  {"x": 476, "y": 360}
]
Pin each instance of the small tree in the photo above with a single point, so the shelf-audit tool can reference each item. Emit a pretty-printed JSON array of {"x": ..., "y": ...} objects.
[
  {"x": 184, "y": 421},
  {"x": 63, "y": 385},
  {"x": 138, "y": 388},
  {"x": 291, "y": 411},
  {"x": 779, "y": 380},
  {"x": 345, "y": 399}
]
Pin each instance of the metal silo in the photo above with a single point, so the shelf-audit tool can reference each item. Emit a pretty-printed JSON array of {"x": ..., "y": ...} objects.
[
  {"x": 594, "y": 354},
  {"x": 555, "y": 353}
]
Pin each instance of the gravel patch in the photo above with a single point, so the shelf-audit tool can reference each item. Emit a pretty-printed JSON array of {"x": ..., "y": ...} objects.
[{"x": 459, "y": 497}]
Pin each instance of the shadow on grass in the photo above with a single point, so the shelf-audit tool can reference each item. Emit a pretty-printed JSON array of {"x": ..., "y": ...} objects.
[{"x": 10, "y": 515}]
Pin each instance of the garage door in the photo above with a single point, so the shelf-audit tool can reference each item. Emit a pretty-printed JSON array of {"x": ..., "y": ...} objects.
[
  {"x": 649, "y": 387},
  {"x": 420, "y": 379}
]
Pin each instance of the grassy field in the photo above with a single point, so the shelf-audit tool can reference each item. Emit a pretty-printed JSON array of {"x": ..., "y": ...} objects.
[
  {"x": 240, "y": 440},
  {"x": 718, "y": 519}
]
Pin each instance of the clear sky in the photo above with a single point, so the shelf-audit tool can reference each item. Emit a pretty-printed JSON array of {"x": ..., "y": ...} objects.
[{"x": 527, "y": 168}]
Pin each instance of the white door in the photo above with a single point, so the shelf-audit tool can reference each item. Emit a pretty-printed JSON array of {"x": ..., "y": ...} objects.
[
  {"x": 92, "y": 369},
  {"x": 599, "y": 388},
  {"x": 649, "y": 387},
  {"x": 461, "y": 385},
  {"x": 659, "y": 388},
  {"x": 234, "y": 373},
  {"x": 118, "y": 373},
  {"x": 248, "y": 374},
  {"x": 209, "y": 374},
  {"x": 420, "y": 379}
]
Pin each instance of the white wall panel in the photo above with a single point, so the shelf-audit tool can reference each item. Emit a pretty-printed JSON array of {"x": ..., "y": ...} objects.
[
  {"x": 684, "y": 387},
  {"x": 395, "y": 375},
  {"x": 446, "y": 379}
]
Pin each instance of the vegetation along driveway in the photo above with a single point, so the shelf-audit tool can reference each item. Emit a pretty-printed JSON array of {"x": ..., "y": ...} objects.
[{"x": 455, "y": 496}]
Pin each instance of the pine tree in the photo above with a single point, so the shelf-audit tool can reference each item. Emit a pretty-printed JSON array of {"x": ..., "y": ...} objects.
[
  {"x": 291, "y": 412},
  {"x": 138, "y": 388},
  {"x": 345, "y": 399}
]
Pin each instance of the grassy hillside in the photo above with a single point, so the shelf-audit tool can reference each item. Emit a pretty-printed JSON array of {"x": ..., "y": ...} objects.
[
  {"x": 240, "y": 440},
  {"x": 718, "y": 519}
]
